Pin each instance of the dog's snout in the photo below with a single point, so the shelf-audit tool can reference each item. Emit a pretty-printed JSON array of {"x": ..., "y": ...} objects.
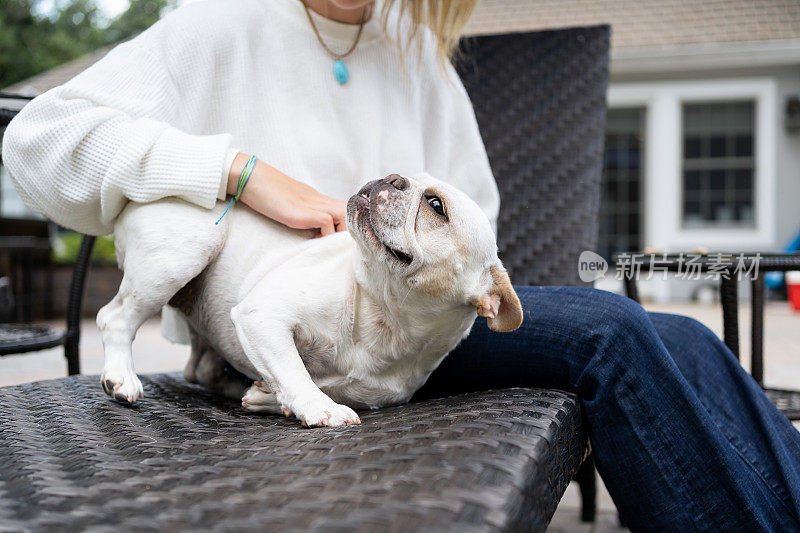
[{"x": 398, "y": 182}]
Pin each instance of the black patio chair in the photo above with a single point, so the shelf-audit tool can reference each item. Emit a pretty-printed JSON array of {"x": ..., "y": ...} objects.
[
  {"x": 500, "y": 460},
  {"x": 19, "y": 338},
  {"x": 540, "y": 101}
]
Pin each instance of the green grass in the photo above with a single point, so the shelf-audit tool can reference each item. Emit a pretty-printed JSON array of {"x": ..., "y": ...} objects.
[{"x": 65, "y": 249}]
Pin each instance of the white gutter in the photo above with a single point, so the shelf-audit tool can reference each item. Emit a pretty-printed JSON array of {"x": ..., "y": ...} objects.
[{"x": 653, "y": 60}]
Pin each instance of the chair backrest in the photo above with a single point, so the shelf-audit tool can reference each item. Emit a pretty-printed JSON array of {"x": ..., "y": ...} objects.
[{"x": 540, "y": 101}]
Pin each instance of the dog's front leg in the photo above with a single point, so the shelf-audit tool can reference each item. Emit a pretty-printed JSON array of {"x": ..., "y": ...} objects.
[{"x": 269, "y": 345}]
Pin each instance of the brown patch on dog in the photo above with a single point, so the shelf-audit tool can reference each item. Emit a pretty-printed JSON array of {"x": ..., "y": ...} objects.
[
  {"x": 462, "y": 248},
  {"x": 185, "y": 299},
  {"x": 437, "y": 281},
  {"x": 500, "y": 305},
  {"x": 510, "y": 316}
]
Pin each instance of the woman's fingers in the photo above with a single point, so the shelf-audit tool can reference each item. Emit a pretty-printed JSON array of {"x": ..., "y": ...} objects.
[
  {"x": 339, "y": 214},
  {"x": 319, "y": 220},
  {"x": 332, "y": 216},
  {"x": 326, "y": 226}
]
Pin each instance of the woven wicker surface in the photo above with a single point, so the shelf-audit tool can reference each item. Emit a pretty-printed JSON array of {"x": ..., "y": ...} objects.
[
  {"x": 540, "y": 103},
  {"x": 185, "y": 459}
]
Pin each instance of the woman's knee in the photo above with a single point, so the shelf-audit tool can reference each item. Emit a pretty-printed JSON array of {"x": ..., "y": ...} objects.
[
  {"x": 620, "y": 339},
  {"x": 584, "y": 307},
  {"x": 671, "y": 325},
  {"x": 612, "y": 311},
  {"x": 582, "y": 328},
  {"x": 690, "y": 342},
  {"x": 607, "y": 321}
]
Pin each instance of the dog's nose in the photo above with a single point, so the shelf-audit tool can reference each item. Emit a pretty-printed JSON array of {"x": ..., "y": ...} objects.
[{"x": 398, "y": 182}]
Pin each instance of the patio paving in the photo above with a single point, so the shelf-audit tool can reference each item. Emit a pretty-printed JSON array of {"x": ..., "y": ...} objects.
[{"x": 155, "y": 354}]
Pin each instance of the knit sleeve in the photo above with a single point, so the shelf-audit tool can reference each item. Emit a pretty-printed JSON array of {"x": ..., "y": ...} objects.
[
  {"x": 79, "y": 152},
  {"x": 455, "y": 150}
]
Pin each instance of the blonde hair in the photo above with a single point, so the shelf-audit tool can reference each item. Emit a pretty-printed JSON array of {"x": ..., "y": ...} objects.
[{"x": 445, "y": 19}]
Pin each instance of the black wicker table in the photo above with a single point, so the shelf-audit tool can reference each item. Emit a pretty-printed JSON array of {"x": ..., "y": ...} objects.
[{"x": 72, "y": 459}]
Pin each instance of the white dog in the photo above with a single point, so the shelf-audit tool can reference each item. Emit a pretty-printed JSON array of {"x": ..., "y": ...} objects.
[{"x": 361, "y": 318}]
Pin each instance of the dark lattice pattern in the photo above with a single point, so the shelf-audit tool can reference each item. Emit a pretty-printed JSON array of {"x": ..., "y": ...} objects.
[
  {"x": 72, "y": 459},
  {"x": 540, "y": 103}
]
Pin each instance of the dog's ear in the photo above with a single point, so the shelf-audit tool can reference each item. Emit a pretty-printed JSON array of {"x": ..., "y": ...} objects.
[{"x": 500, "y": 304}]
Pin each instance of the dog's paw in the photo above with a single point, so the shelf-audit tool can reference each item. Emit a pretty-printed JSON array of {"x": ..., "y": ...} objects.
[
  {"x": 324, "y": 412},
  {"x": 123, "y": 386},
  {"x": 257, "y": 400}
]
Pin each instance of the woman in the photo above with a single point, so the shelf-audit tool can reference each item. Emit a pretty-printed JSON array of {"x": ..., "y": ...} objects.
[{"x": 682, "y": 436}]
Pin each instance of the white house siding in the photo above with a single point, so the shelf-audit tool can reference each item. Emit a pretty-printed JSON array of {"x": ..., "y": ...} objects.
[
  {"x": 777, "y": 151},
  {"x": 11, "y": 205}
]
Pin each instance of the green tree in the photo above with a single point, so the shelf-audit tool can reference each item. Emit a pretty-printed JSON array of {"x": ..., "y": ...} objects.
[
  {"x": 138, "y": 17},
  {"x": 31, "y": 43}
]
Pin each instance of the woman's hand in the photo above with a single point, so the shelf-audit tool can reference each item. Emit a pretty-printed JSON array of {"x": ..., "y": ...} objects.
[{"x": 279, "y": 197}]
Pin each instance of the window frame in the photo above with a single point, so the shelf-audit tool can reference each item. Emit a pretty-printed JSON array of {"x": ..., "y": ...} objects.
[
  {"x": 663, "y": 180},
  {"x": 641, "y": 113},
  {"x": 710, "y": 224}
]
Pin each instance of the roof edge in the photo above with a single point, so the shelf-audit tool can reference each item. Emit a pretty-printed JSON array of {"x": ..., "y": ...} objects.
[{"x": 715, "y": 56}]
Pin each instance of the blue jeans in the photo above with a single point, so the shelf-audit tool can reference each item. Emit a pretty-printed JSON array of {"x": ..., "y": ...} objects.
[{"x": 683, "y": 437}]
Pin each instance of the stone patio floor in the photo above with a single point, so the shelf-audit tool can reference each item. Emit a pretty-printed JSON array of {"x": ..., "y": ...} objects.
[{"x": 154, "y": 354}]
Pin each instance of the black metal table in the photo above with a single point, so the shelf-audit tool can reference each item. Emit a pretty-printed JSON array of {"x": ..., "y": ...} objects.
[
  {"x": 728, "y": 267},
  {"x": 184, "y": 459}
]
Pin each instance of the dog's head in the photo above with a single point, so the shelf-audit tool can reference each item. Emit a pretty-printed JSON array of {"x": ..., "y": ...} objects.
[{"x": 423, "y": 235}]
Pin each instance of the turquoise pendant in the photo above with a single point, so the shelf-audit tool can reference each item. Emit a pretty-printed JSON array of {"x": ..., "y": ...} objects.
[{"x": 340, "y": 71}]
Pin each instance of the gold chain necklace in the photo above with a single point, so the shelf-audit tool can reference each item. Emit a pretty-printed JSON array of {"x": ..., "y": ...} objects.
[{"x": 339, "y": 68}]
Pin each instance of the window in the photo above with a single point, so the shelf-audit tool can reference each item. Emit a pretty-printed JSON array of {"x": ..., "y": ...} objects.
[
  {"x": 620, "y": 204},
  {"x": 11, "y": 205},
  {"x": 718, "y": 164}
]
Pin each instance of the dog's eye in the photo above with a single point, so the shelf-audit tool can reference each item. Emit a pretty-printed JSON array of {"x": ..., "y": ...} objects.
[{"x": 436, "y": 204}]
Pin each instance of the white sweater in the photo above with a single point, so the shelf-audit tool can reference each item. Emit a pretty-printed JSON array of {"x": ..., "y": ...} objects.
[{"x": 163, "y": 115}]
